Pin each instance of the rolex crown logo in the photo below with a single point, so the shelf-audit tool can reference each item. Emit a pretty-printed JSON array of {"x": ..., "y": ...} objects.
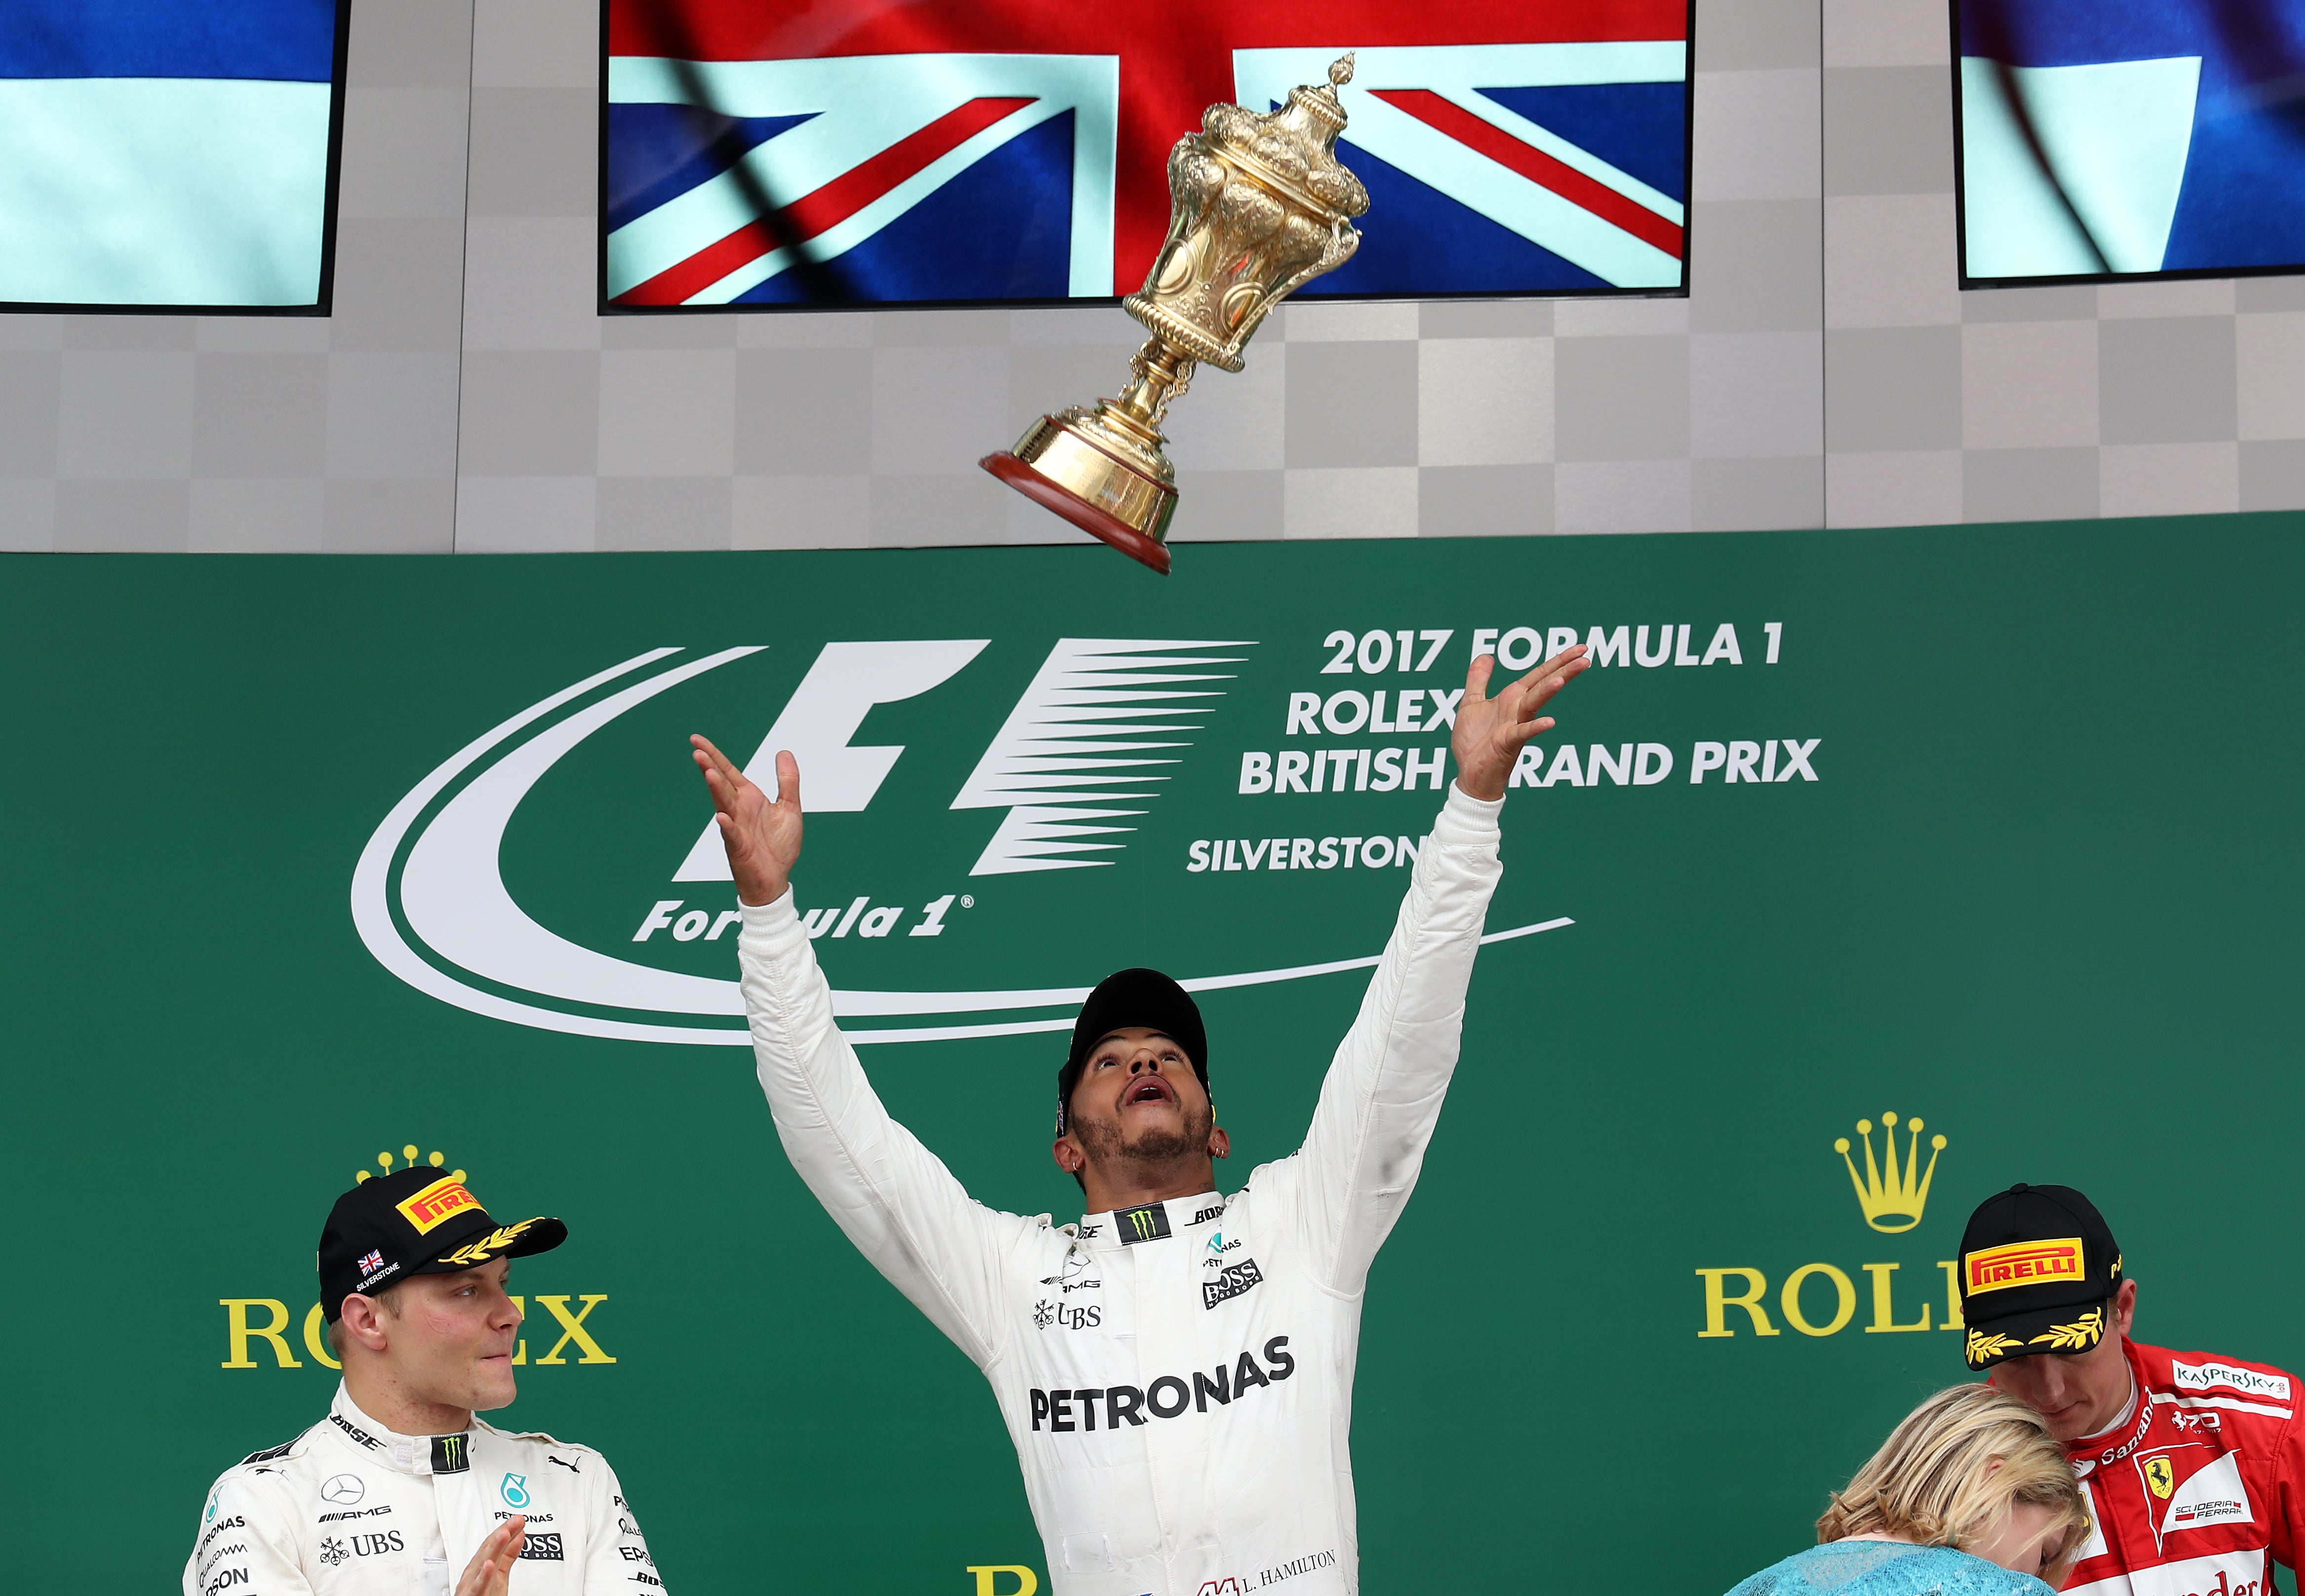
[
  {"x": 1893, "y": 1202},
  {"x": 383, "y": 1165}
]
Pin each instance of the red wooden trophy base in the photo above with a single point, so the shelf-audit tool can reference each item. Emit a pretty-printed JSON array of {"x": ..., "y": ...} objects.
[{"x": 1083, "y": 515}]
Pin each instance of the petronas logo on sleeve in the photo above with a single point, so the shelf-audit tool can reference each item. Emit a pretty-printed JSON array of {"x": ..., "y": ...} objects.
[{"x": 1892, "y": 1202}]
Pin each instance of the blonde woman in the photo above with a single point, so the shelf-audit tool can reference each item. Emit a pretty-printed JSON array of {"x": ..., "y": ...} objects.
[{"x": 1970, "y": 1496}]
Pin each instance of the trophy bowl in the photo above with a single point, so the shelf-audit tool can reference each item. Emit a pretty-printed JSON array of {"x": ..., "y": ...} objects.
[{"x": 1258, "y": 206}]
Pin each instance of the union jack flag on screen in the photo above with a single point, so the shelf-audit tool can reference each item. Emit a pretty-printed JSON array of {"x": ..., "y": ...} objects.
[{"x": 776, "y": 152}]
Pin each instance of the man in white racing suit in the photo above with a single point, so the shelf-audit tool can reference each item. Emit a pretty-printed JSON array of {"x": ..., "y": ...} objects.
[
  {"x": 401, "y": 1483},
  {"x": 1176, "y": 1370}
]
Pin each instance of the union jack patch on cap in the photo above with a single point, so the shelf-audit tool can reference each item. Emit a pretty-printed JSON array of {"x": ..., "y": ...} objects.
[{"x": 371, "y": 1262}]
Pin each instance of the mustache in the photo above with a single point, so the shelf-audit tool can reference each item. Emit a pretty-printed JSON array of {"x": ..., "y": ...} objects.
[{"x": 1104, "y": 1144}]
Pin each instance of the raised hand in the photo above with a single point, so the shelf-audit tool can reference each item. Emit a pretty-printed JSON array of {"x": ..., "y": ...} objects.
[
  {"x": 762, "y": 838},
  {"x": 490, "y": 1573},
  {"x": 1492, "y": 730}
]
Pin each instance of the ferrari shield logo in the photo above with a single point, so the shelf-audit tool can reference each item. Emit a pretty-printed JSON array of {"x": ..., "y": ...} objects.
[{"x": 2160, "y": 1476}]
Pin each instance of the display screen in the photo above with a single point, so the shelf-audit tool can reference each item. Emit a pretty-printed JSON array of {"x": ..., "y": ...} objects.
[
  {"x": 157, "y": 154},
  {"x": 761, "y": 153},
  {"x": 2130, "y": 137}
]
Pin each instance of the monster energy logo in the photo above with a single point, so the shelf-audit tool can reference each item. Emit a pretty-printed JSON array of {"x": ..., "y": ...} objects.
[
  {"x": 451, "y": 1454},
  {"x": 1146, "y": 1224}
]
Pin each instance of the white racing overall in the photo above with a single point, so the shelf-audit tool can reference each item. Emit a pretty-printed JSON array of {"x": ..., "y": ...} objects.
[
  {"x": 348, "y": 1508},
  {"x": 1177, "y": 1379}
]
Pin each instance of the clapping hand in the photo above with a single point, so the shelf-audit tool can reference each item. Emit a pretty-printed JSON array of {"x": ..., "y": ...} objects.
[{"x": 490, "y": 1573}]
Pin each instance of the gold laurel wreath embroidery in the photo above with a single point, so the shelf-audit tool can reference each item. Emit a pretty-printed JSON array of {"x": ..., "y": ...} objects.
[
  {"x": 495, "y": 1241},
  {"x": 2084, "y": 1331},
  {"x": 1982, "y": 1346}
]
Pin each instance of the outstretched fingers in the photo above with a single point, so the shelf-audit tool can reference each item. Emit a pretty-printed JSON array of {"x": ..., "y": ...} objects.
[
  {"x": 722, "y": 778},
  {"x": 1554, "y": 675},
  {"x": 713, "y": 762}
]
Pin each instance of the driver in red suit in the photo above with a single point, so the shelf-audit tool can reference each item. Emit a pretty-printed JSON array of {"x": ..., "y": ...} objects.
[{"x": 2193, "y": 1465}]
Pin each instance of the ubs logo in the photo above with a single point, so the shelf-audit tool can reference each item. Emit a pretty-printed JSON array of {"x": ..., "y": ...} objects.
[{"x": 1064, "y": 1314}]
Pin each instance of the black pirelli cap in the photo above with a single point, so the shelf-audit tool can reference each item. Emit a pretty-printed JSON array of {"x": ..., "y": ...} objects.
[
  {"x": 2038, "y": 1265},
  {"x": 421, "y": 1221}
]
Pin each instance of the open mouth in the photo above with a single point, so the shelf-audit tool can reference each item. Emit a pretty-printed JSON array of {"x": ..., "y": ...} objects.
[{"x": 1149, "y": 1088}]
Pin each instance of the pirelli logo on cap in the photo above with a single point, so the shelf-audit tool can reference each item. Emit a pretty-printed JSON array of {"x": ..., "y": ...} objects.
[
  {"x": 2024, "y": 1263},
  {"x": 430, "y": 1208}
]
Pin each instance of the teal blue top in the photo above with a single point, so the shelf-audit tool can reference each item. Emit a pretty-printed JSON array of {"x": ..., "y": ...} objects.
[{"x": 1888, "y": 1568}]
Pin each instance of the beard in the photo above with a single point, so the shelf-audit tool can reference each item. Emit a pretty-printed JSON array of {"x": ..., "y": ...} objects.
[{"x": 1155, "y": 1147}]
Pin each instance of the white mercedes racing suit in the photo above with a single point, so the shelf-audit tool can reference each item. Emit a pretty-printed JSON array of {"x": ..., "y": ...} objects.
[
  {"x": 1177, "y": 1379},
  {"x": 348, "y": 1508}
]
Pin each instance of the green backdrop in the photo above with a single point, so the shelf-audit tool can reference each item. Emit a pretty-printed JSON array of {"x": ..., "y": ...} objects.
[{"x": 2043, "y": 894}]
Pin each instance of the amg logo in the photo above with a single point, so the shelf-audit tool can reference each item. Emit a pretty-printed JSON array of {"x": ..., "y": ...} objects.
[
  {"x": 542, "y": 1548},
  {"x": 1237, "y": 1278}
]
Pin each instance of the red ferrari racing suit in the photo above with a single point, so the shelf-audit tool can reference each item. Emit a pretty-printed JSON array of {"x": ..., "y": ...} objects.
[{"x": 2198, "y": 1492}]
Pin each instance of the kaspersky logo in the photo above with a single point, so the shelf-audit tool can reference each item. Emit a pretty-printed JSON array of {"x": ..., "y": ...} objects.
[
  {"x": 1091, "y": 746},
  {"x": 1821, "y": 1298}
]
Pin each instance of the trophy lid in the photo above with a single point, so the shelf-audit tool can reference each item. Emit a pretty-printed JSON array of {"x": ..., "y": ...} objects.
[
  {"x": 1320, "y": 99},
  {"x": 1297, "y": 145}
]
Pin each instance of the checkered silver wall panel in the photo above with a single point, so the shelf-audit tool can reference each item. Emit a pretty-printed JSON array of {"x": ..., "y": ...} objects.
[
  {"x": 1823, "y": 370},
  {"x": 251, "y": 433},
  {"x": 2021, "y": 403}
]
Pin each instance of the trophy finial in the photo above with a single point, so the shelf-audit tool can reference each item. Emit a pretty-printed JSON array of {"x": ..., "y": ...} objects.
[{"x": 1341, "y": 70}]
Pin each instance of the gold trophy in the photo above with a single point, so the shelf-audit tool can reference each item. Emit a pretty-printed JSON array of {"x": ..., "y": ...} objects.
[{"x": 1258, "y": 207}]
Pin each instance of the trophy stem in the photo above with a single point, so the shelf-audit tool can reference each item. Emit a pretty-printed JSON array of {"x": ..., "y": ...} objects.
[
  {"x": 1101, "y": 467},
  {"x": 1163, "y": 375}
]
